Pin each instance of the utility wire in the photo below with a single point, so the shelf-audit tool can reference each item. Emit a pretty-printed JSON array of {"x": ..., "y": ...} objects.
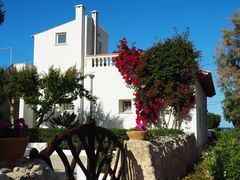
[{"x": 208, "y": 64}]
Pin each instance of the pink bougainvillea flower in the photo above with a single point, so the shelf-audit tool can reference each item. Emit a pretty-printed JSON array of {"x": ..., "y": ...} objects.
[{"x": 136, "y": 81}]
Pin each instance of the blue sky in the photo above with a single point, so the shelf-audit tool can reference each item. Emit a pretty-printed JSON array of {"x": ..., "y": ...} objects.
[{"x": 143, "y": 22}]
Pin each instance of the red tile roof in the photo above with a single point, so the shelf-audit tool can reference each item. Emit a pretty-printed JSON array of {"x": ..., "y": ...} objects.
[{"x": 205, "y": 79}]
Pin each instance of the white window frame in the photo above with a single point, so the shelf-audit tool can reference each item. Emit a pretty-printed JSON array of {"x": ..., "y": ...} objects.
[{"x": 57, "y": 38}]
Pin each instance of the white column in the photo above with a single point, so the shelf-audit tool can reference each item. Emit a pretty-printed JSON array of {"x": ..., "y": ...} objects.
[{"x": 80, "y": 18}]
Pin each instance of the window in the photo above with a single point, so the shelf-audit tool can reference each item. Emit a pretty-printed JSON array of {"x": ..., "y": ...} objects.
[
  {"x": 67, "y": 107},
  {"x": 61, "y": 38},
  {"x": 125, "y": 106}
]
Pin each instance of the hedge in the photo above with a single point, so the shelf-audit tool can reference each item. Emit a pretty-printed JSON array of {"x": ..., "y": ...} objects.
[
  {"x": 221, "y": 161},
  {"x": 47, "y": 135}
]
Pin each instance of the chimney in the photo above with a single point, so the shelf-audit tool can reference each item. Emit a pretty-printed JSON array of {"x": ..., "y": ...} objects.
[
  {"x": 79, "y": 11},
  {"x": 95, "y": 30}
]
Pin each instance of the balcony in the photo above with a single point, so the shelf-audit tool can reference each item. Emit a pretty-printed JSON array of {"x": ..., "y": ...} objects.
[{"x": 100, "y": 60}]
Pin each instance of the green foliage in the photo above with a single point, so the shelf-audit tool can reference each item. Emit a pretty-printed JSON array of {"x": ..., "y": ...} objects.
[
  {"x": 44, "y": 135},
  {"x": 56, "y": 88},
  {"x": 172, "y": 59},
  {"x": 47, "y": 135},
  {"x": 213, "y": 120},
  {"x": 227, "y": 153},
  {"x": 228, "y": 56},
  {"x": 223, "y": 160},
  {"x": 65, "y": 120},
  {"x": 42, "y": 93},
  {"x": 231, "y": 108},
  {"x": 228, "y": 64},
  {"x": 200, "y": 172},
  {"x": 15, "y": 84},
  {"x": 157, "y": 133}
]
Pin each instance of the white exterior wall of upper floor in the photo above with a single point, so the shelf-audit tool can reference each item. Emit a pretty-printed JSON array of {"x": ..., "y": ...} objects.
[
  {"x": 47, "y": 53},
  {"x": 79, "y": 42}
]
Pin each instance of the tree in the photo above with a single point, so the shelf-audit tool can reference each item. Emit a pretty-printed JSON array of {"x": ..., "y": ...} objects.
[
  {"x": 42, "y": 93},
  {"x": 55, "y": 89},
  {"x": 163, "y": 77},
  {"x": 15, "y": 84},
  {"x": 2, "y": 13},
  {"x": 231, "y": 109},
  {"x": 228, "y": 67},
  {"x": 213, "y": 120}
]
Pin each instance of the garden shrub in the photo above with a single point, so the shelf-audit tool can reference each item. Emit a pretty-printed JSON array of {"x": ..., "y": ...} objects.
[
  {"x": 227, "y": 154},
  {"x": 156, "y": 133},
  {"x": 221, "y": 161},
  {"x": 213, "y": 120},
  {"x": 44, "y": 135},
  {"x": 47, "y": 135}
]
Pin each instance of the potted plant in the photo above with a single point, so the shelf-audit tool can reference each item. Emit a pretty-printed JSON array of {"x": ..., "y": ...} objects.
[
  {"x": 137, "y": 133},
  {"x": 13, "y": 139}
]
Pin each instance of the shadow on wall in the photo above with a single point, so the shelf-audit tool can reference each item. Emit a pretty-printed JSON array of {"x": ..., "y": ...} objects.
[
  {"x": 106, "y": 120},
  {"x": 186, "y": 120},
  {"x": 132, "y": 169},
  {"x": 173, "y": 158},
  {"x": 67, "y": 119},
  {"x": 102, "y": 119}
]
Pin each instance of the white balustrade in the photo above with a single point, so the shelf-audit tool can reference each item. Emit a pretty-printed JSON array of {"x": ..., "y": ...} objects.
[{"x": 100, "y": 60}]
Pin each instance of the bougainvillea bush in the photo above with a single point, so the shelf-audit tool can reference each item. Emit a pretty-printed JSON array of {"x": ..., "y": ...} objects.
[{"x": 162, "y": 77}]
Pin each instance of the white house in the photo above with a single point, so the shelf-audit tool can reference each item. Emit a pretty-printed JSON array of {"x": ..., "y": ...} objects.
[{"x": 82, "y": 42}]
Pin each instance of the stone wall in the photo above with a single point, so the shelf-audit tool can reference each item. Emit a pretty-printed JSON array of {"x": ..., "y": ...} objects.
[
  {"x": 31, "y": 169},
  {"x": 168, "y": 158}
]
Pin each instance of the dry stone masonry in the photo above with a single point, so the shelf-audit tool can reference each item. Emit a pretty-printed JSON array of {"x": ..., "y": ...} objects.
[
  {"x": 167, "y": 158},
  {"x": 33, "y": 169}
]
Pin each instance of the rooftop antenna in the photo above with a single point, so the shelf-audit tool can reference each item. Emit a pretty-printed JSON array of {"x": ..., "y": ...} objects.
[{"x": 10, "y": 53}]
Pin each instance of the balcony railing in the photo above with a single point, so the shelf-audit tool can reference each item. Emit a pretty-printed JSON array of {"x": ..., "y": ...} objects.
[{"x": 100, "y": 60}]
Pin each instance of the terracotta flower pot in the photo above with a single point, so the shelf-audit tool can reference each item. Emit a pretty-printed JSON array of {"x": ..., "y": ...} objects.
[
  {"x": 12, "y": 148},
  {"x": 140, "y": 135}
]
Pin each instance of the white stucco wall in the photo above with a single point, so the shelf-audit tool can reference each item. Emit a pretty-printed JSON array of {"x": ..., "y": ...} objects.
[
  {"x": 89, "y": 36},
  {"x": 103, "y": 38},
  {"x": 201, "y": 115},
  {"x": 109, "y": 87},
  {"x": 26, "y": 112},
  {"x": 48, "y": 53}
]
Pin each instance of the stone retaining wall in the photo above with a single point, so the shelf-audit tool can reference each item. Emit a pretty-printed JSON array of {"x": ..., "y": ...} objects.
[
  {"x": 29, "y": 169},
  {"x": 168, "y": 158}
]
